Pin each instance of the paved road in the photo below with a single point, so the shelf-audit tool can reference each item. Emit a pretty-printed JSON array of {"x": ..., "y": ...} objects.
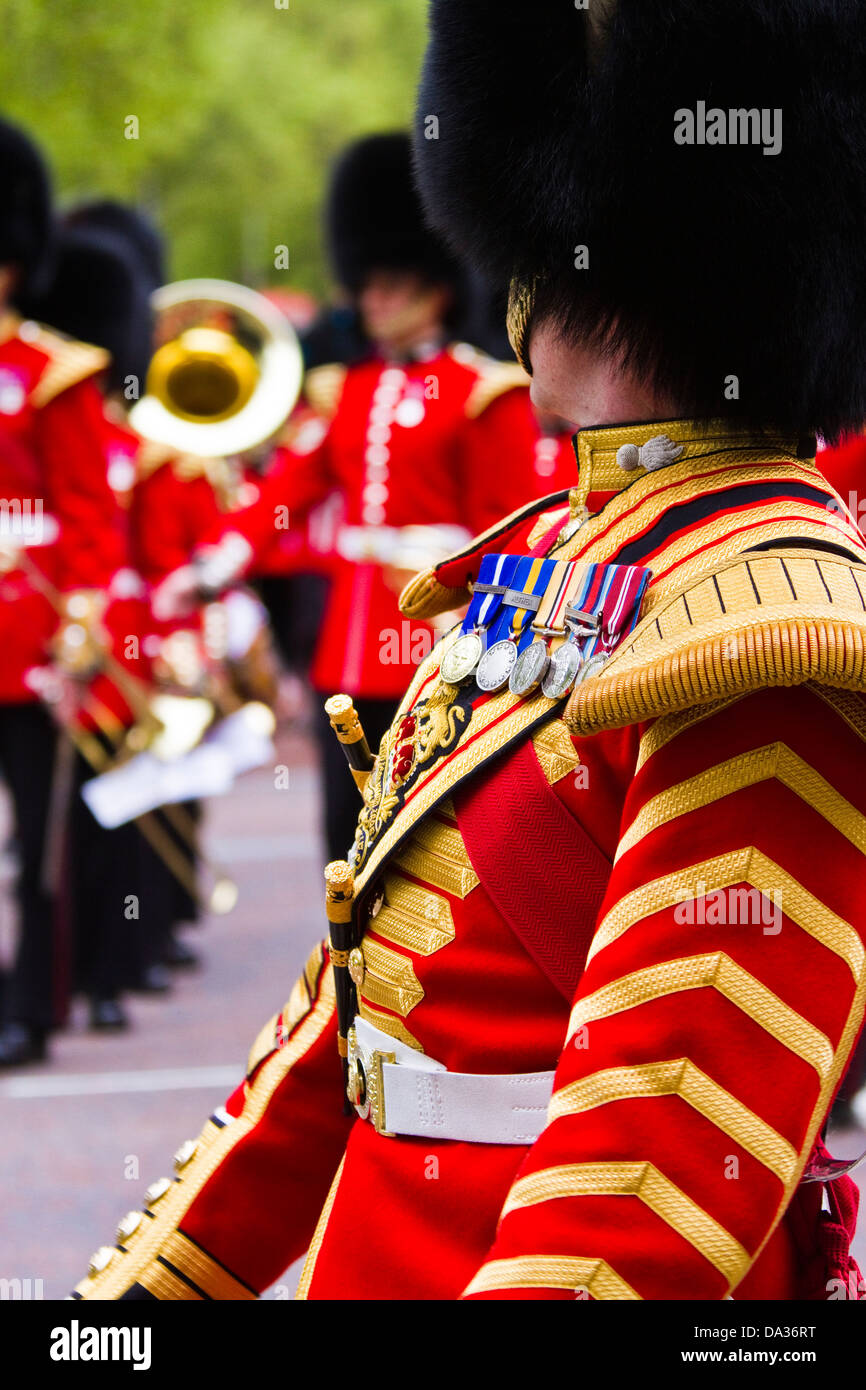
[{"x": 81, "y": 1138}]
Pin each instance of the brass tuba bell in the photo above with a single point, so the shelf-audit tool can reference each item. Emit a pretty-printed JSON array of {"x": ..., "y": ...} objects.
[{"x": 225, "y": 373}]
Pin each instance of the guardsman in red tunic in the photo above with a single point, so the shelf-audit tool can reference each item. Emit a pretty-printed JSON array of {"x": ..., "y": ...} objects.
[
  {"x": 411, "y": 434},
  {"x": 598, "y": 959},
  {"x": 66, "y": 551}
]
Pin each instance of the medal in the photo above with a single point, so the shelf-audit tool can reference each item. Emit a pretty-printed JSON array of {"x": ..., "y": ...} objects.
[
  {"x": 460, "y": 661},
  {"x": 496, "y": 665},
  {"x": 565, "y": 663},
  {"x": 591, "y": 667},
  {"x": 529, "y": 669}
]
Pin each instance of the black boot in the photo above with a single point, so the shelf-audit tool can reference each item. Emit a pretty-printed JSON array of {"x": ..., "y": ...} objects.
[
  {"x": 177, "y": 955},
  {"x": 108, "y": 1016},
  {"x": 21, "y": 1043},
  {"x": 154, "y": 979}
]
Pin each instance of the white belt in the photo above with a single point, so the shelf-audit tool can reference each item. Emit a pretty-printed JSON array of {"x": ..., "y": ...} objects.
[
  {"x": 406, "y": 1092},
  {"x": 404, "y": 547}
]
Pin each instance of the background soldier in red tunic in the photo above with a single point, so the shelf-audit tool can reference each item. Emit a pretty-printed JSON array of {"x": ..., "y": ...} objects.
[
  {"x": 428, "y": 441},
  {"x": 51, "y": 436}
]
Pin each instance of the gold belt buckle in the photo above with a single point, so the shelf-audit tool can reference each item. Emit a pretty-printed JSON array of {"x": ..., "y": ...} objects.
[{"x": 365, "y": 1087}]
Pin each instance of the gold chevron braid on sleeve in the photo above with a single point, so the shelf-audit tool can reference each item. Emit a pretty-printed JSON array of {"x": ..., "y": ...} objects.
[
  {"x": 713, "y": 971},
  {"x": 746, "y": 865},
  {"x": 761, "y": 620},
  {"x": 684, "y": 1079},
  {"x": 774, "y": 761},
  {"x": 553, "y": 1272},
  {"x": 70, "y": 362},
  {"x": 652, "y": 1187},
  {"x": 664, "y": 731}
]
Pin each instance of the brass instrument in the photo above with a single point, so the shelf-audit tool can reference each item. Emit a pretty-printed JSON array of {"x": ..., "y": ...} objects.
[{"x": 225, "y": 373}]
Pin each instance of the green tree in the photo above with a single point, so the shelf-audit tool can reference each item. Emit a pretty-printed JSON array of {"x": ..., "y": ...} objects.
[{"x": 221, "y": 117}]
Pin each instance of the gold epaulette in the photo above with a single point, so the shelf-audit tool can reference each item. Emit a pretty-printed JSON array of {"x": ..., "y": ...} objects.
[
  {"x": 153, "y": 456},
  {"x": 495, "y": 379},
  {"x": 323, "y": 387},
  {"x": 425, "y": 597},
  {"x": 150, "y": 457},
  {"x": 773, "y": 618},
  {"x": 69, "y": 362}
]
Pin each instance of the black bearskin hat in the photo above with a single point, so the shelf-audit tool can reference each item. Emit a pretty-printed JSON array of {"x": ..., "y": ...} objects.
[
  {"x": 612, "y": 163},
  {"x": 25, "y": 206},
  {"x": 129, "y": 225},
  {"x": 374, "y": 216},
  {"x": 98, "y": 294}
]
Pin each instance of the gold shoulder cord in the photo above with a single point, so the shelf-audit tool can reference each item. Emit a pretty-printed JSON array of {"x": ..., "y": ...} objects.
[{"x": 777, "y": 618}]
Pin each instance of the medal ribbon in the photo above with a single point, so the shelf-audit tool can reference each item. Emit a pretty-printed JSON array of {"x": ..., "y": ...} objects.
[
  {"x": 555, "y": 597},
  {"x": 495, "y": 570},
  {"x": 531, "y": 577},
  {"x": 614, "y": 590}
]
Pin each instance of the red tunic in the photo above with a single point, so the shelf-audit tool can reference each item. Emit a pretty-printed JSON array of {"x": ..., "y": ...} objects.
[
  {"x": 54, "y": 472},
  {"x": 699, "y": 1043}
]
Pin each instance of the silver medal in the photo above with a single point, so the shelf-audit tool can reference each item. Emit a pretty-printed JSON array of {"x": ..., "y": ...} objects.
[
  {"x": 460, "y": 661},
  {"x": 565, "y": 663},
  {"x": 496, "y": 665},
  {"x": 591, "y": 667},
  {"x": 529, "y": 669}
]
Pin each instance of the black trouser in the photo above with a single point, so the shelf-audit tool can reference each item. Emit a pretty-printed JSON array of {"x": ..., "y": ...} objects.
[
  {"x": 341, "y": 800},
  {"x": 108, "y": 890},
  {"x": 296, "y": 605},
  {"x": 126, "y": 900},
  {"x": 37, "y": 985}
]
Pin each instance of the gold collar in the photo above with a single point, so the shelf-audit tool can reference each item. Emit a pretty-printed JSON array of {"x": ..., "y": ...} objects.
[{"x": 601, "y": 477}]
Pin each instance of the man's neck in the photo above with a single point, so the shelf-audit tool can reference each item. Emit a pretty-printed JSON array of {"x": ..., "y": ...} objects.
[{"x": 419, "y": 348}]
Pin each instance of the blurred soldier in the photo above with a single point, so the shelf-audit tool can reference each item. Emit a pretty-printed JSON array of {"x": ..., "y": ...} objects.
[
  {"x": 169, "y": 502},
  {"x": 599, "y": 959},
  {"x": 411, "y": 431},
  {"x": 66, "y": 551}
]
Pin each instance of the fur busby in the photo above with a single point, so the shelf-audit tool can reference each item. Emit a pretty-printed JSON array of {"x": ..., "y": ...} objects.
[
  {"x": 129, "y": 225},
  {"x": 99, "y": 295},
  {"x": 374, "y": 217},
  {"x": 25, "y": 207},
  {"x": 682, "y": 182}
]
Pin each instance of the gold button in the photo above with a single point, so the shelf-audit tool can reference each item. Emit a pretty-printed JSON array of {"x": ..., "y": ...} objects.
[
  {"x": 356, "y": 966},
  {"x": 101, "y": 1260},
  {"x": 129, "y": 1224},
  {"x": 185, "y": 1153},
  {"x": 156, "y": 1190}
]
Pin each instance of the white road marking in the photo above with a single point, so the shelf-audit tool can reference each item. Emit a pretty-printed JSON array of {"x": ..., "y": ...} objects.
[
  {"x": 259, "y": 849},
  {"x": 108, "y": 1083}
]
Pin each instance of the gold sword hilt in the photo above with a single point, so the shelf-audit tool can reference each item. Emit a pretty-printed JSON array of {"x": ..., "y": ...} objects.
[{"x": 346, "y": 724}]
